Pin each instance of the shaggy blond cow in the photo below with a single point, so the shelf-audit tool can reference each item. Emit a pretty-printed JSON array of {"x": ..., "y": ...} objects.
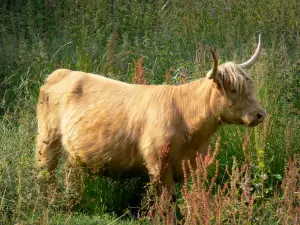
[{"x": 103, "y": 123}]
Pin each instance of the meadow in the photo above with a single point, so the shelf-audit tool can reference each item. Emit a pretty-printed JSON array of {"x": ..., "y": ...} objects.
[{"x": 157, "y": 41}]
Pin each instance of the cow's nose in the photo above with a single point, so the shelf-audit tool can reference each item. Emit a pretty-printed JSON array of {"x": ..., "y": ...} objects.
[{"x": 261, "y": 115}]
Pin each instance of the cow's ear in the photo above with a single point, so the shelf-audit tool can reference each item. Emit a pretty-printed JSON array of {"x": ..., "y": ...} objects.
[{"x": 217, "y": 82}]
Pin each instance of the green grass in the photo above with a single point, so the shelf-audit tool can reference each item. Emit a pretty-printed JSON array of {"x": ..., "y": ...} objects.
[{"x": 108, "y": 37}]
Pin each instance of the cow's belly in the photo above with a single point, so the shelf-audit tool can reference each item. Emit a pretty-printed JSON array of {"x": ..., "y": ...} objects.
[
  {"x": 99, "y": 152},
  {"x": 100, "y": 141}
]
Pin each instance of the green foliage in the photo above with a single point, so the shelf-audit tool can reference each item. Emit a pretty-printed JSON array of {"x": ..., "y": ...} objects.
[
  {"x": 108, "y": 37},
  {"x": 107, "y": 195}
]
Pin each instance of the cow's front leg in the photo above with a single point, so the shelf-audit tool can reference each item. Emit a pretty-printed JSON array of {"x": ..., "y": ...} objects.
[
  {"x": 161, "y": 175},
  {"x": 74, "y": 183},
  {"x": 168, "y": 182}
]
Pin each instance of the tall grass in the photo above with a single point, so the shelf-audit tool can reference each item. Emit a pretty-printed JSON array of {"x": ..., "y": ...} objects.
[{"x": 134, "y": 40}]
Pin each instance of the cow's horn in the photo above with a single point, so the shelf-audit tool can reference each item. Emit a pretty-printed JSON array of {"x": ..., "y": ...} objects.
[
  {"x": 253, "y": 59},
  {"x": 213, "y": 72}
]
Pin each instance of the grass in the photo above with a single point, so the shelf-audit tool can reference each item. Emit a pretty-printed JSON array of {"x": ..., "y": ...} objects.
[{"x": 124, "y": 40}]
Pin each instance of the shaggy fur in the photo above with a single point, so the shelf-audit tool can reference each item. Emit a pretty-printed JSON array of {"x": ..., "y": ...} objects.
[{"x": 103, "y": 123}]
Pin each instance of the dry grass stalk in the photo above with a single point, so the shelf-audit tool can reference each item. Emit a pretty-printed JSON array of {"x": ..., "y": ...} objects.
[
  {"x": 288, "y": 141},
  {"x": 163, "y": 156},
  {"x": 183, "y": 77},
  {"x": 203, "y": 202},
  {"x": 245, "y": 147},
  {"x": 159, "y": 207},
  {"x": 168, "y": 75},
  {"x": 111, "y": 50},
  {"x": 196, "y": 194},
  {"x": 138, "y": 77},
  {"x": 163, "y": 209},
  {"x": 289, "y": 210},
  {"x": 200, "y": 58}
]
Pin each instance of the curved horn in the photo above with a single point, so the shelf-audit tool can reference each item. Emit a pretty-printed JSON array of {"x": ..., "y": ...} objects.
[
  {"x": 248, "y": 64},
  {"x": 213, "y": 72}
]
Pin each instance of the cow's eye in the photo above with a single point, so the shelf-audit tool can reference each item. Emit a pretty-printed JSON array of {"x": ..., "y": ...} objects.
[{"x": 233, "y": 91}]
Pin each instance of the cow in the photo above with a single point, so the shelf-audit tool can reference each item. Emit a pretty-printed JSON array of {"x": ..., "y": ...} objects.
[{"x": 103, "y": 124}]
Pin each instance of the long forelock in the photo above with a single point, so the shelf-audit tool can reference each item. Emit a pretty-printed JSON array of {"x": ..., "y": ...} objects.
[{"x": 233, "y": 76}]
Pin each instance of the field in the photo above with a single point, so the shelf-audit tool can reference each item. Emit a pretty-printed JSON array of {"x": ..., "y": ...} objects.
[{"x": 155, "y": 40}]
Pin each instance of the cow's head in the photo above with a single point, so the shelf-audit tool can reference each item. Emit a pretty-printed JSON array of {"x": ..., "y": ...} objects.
[{"x": 232, "y": 98}]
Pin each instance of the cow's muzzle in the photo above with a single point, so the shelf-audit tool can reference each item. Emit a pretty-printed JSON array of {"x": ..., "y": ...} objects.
[{"x": 255, "y": 118}]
